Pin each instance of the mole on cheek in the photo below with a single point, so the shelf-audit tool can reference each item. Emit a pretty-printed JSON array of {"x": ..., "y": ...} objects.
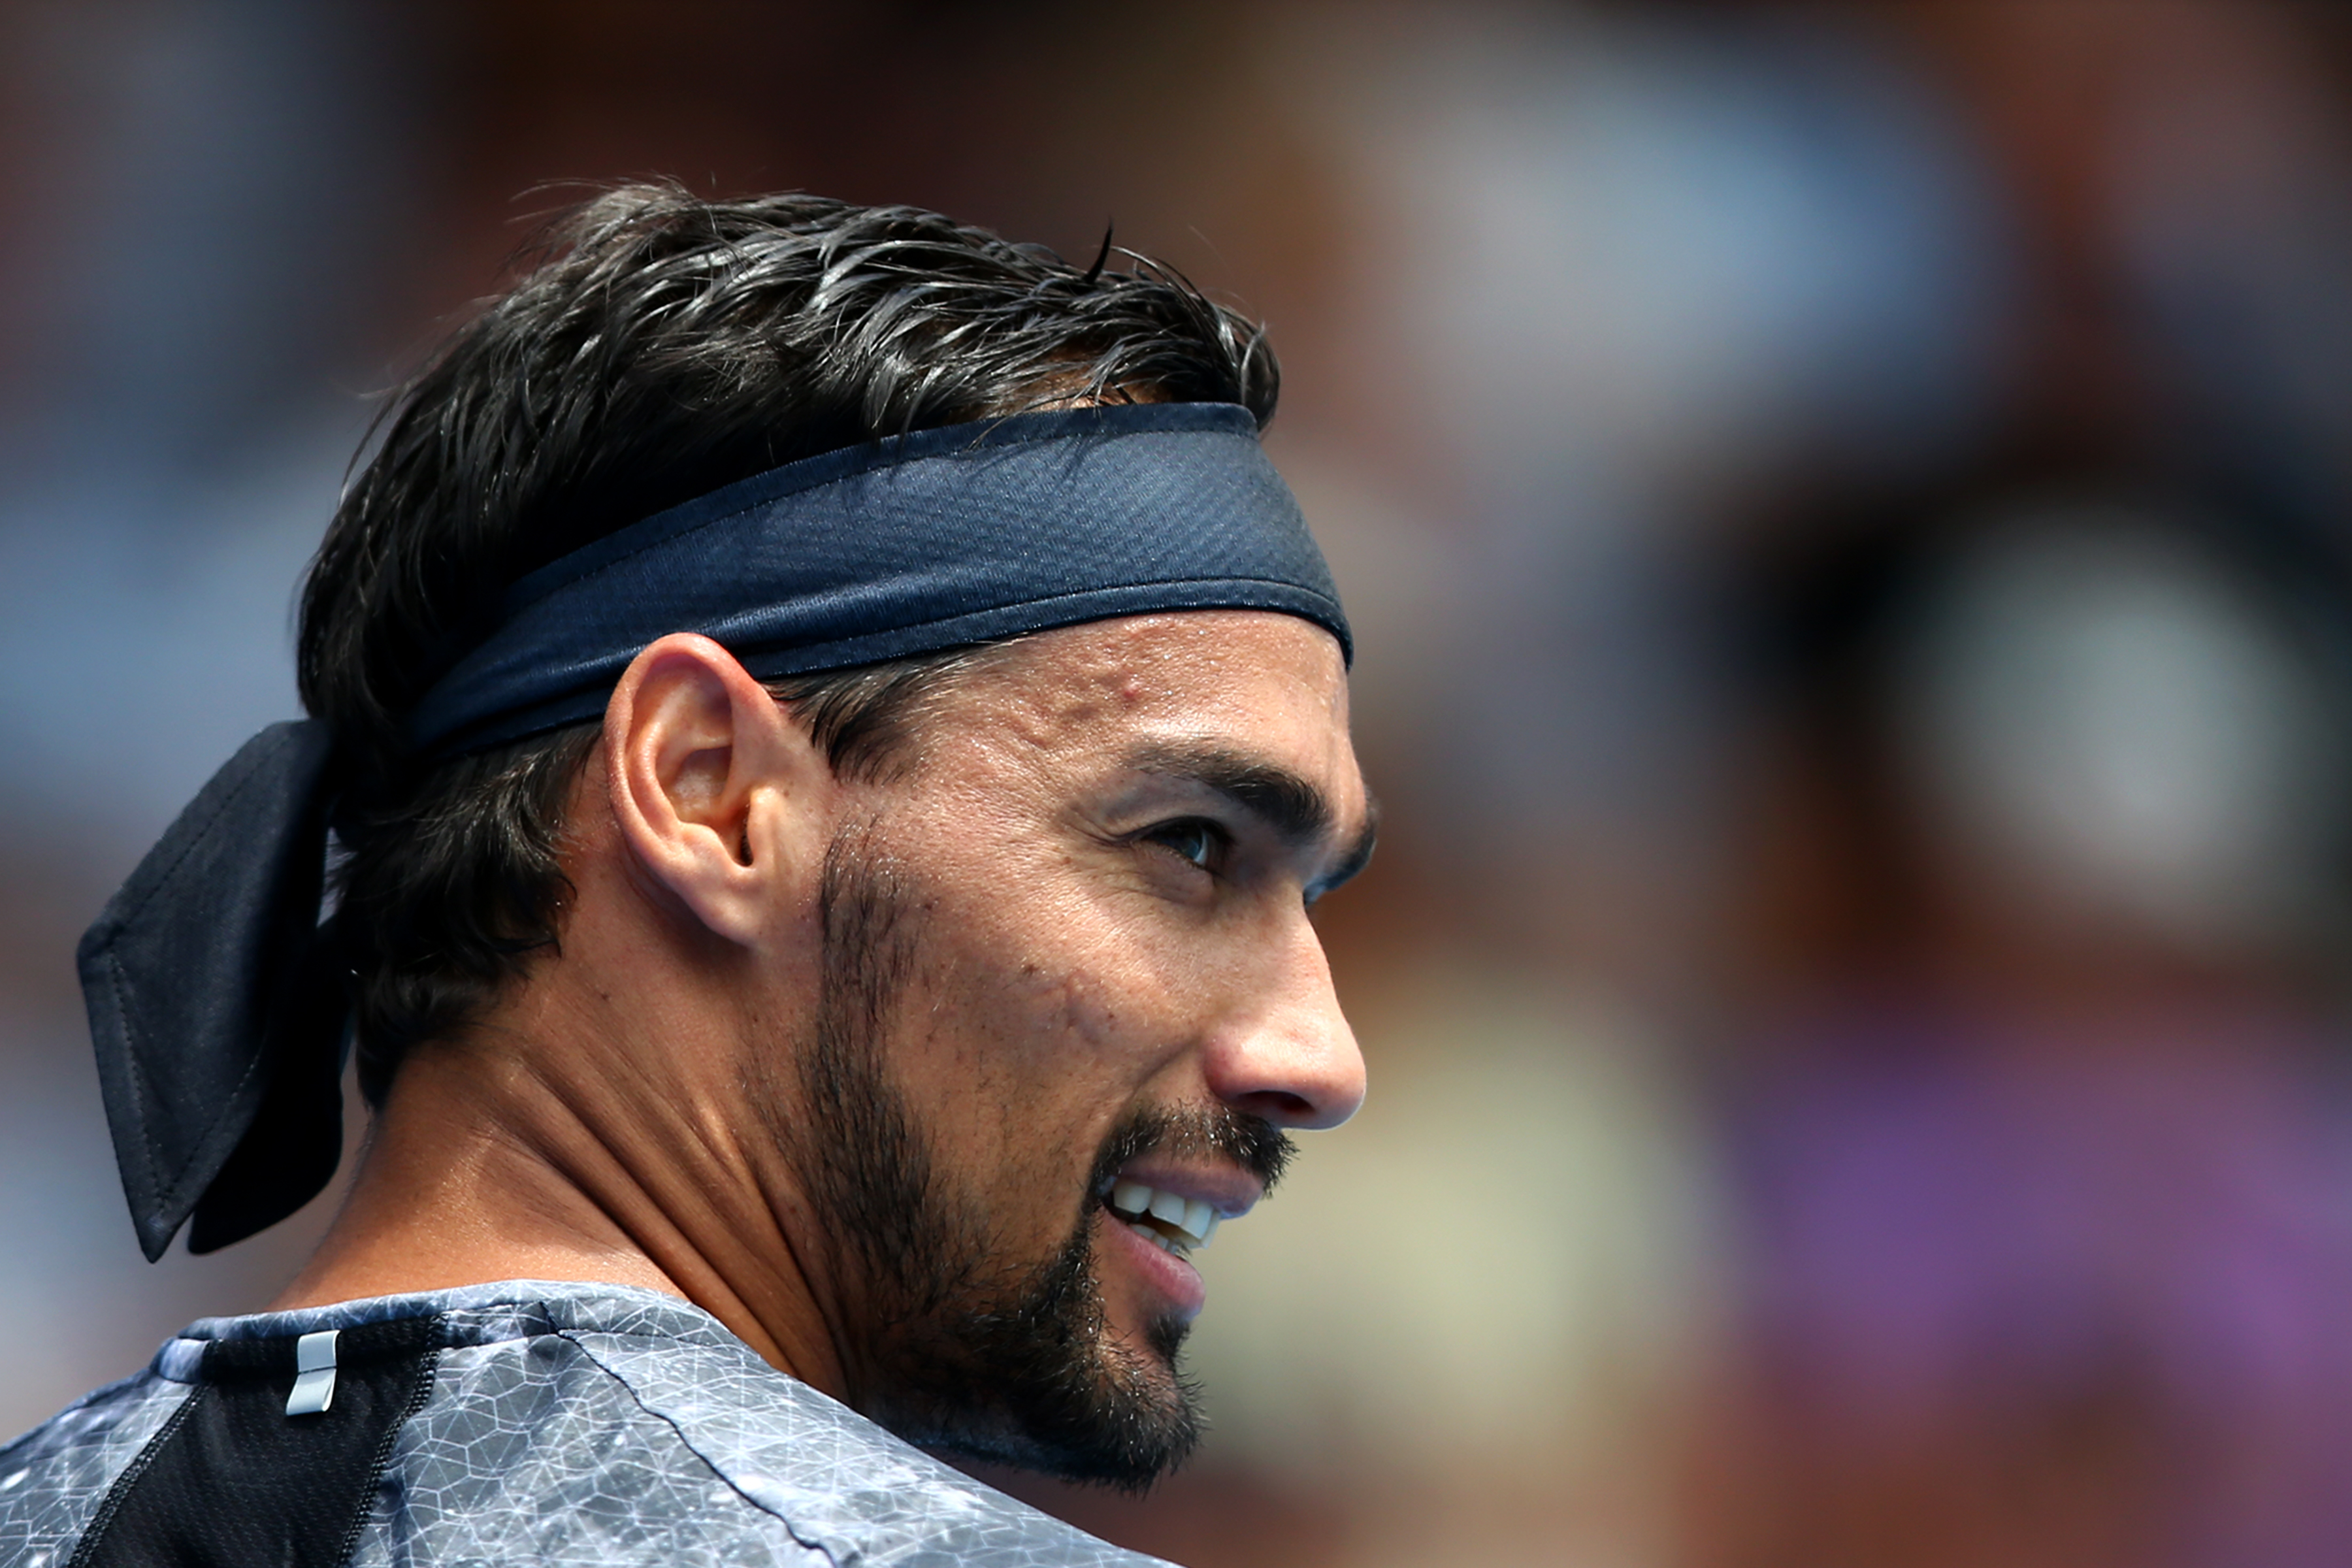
[{"x": 1083, "y": 1013}]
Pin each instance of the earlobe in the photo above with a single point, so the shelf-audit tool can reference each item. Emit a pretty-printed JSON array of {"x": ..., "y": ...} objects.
[{"x": 712, "y": 787}]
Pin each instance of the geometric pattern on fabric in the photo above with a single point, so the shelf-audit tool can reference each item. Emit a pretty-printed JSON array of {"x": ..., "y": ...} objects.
[
  {"x": 54, "y": 1479},
  {"x": 577, "y": 1424}
]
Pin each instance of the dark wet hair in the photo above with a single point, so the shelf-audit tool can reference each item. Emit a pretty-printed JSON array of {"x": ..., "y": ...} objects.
[{"x": 657, "y": 347}]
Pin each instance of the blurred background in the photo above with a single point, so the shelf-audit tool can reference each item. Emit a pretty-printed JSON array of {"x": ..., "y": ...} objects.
[{"x": 1846, "y": 508}]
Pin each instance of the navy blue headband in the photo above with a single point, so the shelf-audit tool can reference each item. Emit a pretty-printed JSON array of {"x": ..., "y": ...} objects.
[
  {"x": 215, "y": 999},
  {"x": 906, "y": 546}
]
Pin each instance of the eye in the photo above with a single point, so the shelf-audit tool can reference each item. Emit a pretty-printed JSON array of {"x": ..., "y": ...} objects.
[{"x": 1192, "y": 839}]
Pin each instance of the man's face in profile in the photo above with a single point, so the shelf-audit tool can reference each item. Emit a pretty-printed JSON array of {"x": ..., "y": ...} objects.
[{"x": 1071, "y": 1000}]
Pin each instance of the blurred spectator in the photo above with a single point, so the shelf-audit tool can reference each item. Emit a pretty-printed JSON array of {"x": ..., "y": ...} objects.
[
  {"x": 2047, "y": 1149},
  {"x": 2038, "y": 1119}
]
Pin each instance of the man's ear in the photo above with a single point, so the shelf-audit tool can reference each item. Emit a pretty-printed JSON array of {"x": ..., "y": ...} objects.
[{"x": 717, "y": 791}]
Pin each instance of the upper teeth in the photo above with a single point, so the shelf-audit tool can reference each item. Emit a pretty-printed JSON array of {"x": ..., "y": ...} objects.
[{"x": 1192, "y": 1221}]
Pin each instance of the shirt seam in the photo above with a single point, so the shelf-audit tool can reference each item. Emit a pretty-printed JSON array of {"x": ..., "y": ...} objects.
[{"x": 570, "y": 1337}]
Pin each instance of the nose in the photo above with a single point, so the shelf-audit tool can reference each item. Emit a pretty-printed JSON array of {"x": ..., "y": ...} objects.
[{"x": 1288, "y": 1054}]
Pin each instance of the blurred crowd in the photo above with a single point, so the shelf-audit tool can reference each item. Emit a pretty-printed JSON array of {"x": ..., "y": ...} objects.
[{"x": 1847, "y": 509}]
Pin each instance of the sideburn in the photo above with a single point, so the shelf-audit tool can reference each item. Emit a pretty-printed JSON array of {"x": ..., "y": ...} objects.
[
  {"x": 954, "y": 1350},
  {"x": 867, "y": 1169}
]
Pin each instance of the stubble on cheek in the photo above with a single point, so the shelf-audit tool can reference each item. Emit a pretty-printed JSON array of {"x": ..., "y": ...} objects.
[
  {"x": 953, "y": 1333},
  {"x": 1010, "y": 1052},
  {"x": 911, "y": 1231}
]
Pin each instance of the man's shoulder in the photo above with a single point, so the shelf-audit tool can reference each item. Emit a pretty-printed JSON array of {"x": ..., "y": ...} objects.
[
  {"x": 55, "y": 1478},
  {"x": 566, "y": 1422},
  {"x": 684, "y": 1425}
]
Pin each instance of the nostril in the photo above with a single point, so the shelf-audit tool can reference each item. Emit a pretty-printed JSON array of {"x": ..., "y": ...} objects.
[{"x": 1277, "y": 1105}]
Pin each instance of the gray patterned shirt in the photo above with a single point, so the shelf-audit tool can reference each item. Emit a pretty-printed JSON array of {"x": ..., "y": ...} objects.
[{"x": 565, "y": 1424}]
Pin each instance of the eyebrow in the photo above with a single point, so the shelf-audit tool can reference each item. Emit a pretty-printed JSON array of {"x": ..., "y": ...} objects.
[{"x": 1298, "y": 810}]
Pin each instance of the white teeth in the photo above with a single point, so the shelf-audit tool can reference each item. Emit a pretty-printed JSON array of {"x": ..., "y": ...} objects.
[
  {"x": 1192, "y": 1216},
  {"x": 1157, "y": 1240}
]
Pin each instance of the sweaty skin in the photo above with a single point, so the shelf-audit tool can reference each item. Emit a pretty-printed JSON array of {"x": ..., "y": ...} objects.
[{"x": 1115, "y": 830}]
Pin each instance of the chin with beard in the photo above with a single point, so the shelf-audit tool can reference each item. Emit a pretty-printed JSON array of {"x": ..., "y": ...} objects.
[{"x": 961, "y": 1351}]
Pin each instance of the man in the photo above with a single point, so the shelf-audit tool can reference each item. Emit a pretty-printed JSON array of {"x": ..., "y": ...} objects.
[{"x": 833, "y": 729}]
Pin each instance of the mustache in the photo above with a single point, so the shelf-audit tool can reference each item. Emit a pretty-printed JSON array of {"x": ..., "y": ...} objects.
[{"x": 1221, "y": 1132}]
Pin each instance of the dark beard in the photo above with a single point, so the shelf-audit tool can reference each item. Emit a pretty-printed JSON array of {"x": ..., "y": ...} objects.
[{"x": 957, "y": 1348}]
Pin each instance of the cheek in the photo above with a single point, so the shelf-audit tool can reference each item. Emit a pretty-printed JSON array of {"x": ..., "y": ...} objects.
[
  {"x": 1025, "y": 1009},
  {"x": 1033, "y": 1030}
]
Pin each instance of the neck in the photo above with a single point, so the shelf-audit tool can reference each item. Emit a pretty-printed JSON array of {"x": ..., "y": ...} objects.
[{"x": 482, "y": 1166}]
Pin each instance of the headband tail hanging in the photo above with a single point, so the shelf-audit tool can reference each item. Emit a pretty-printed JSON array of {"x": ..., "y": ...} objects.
[{"x": 218, "y": 1017}]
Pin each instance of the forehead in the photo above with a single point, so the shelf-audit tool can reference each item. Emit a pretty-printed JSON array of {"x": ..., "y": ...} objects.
[{"x": 1268, "y": 684}]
